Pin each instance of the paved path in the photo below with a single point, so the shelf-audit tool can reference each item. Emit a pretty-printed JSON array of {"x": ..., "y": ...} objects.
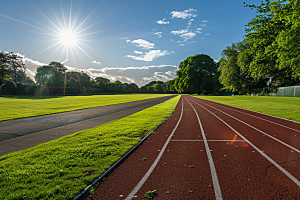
[
  {"x": 19, "y": 134},
  {"x": 209, "y": 150}
]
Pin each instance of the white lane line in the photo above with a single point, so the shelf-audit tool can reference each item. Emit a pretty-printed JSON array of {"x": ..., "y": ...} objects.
[
  {"x": 260, "y": 151},
  {"x": 261, "y": 118},
  {"x": 213, "y": 172},
  {"x": 144, "y": 179},
  {"x": 208, "y": 140},
  {"x": 297, "y": 150}
]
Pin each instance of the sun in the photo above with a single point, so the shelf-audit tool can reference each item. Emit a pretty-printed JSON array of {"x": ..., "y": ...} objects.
[{"x": 69, "y": 38}]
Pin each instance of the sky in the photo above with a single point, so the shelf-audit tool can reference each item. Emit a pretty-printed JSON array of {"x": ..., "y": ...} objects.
[{"x": 134, "y": 41}]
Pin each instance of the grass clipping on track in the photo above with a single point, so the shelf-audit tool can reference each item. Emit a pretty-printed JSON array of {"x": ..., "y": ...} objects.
[
  {"x": 284, "y": 107},
  {"x": 24, "y": 106},
  {"x": 62, "y": 168}
]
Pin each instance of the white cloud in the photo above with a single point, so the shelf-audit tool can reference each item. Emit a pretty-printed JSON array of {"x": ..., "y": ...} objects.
[
  {"x": 150, "y": 56},
  {"x": 95, "y": 62},
  {"x": 162, "y": 21},
  {"x": 187, "y": 36},
  {"x": 127, "y": 40},
  {"x": 161, "y": 76},
  {"x": 184, "y": 14},
  {"x": 207, "y": 34},
  {"x": 204, "y": 25},
  {"x": 158, "y": 34},
  {"x": 143, "y": 44},
  {"x": 205, "y": 21},
  {"x": 190, "y": 22},
  {"x": 138, "y": 52},
  {"x": 180, "y": 31},
  {"x": 181, "y": 45}
]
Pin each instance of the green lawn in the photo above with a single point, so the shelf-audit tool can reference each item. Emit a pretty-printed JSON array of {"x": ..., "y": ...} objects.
[
  {"x": 284, "y": 107},
  {"x": 60, "y": 169},
  {"x": 19, "y": 107}
]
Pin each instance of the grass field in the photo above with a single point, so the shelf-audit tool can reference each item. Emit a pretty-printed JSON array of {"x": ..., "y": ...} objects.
[
  {"x": 60, "y": 169},
  {"x": 284, "y": 107},
  {"x": 19, "y": 107}
]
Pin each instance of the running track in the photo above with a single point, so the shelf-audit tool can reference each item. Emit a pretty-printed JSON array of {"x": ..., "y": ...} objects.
[{"x": 208, "y": 150}]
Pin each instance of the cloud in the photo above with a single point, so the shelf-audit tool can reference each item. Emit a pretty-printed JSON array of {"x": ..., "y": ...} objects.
[
  {"x": 185, "y": 34},
  {"x": 138, "y": 52},
  {"x": 127, "y": 40},
  {"x": 138, "y": 75},
  {"x": 143, "y": 44},
  {"x": 158, "y": 34},
  {"x": 161, "y": 76},
  {"x": 207, "y": 34},
  {"x": 204, "y": 25},
  {"x": 150, "y": 56},
  {"x": 190, "y": 22},
  {"x": 205, "y": 21},
  {"x": 184, "y": 14},
  {"x": 188, "y": 35},
  {"x": 180, "y": 31},
  {"x": 162, "y": 21},
  {"x": 95, "y": 62}
]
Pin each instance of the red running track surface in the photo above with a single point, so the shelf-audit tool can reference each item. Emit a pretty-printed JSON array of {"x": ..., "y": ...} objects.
[{"x": 237, "y": 154}]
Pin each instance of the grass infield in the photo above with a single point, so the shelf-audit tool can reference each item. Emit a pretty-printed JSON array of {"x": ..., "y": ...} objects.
[
  {"x": 62, "y": 168},
  {"x": 22, "y": 106},
  {"x": 284, "y": 107}
]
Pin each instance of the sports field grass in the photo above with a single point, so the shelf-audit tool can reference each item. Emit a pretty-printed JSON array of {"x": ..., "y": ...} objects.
[
  {"x": 62, "y": 168},
  {"x": 284, "y": 107},
  {"x": 19, "y": 107}
]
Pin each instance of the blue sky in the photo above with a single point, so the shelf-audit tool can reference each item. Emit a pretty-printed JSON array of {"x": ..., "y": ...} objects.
[{"x": 128, "y": 40}]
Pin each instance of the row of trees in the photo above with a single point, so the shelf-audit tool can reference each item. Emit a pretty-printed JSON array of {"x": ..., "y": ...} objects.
[
  {"x": 196, "y": 74},
  {"x": 270, "y": 51}
]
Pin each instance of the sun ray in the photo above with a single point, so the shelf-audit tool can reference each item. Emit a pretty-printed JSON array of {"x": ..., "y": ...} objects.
[
  {"x": 70, "y": 17},
  {"x": 47, "y": 48},
  {"x": 55, "y": 51},
  {"x": 112, "y": 13},
  {"x": 47, "y": 19},
  {"x": 62, "y": 12},
  {"x": 86, "y": 18},
  {"x": 61, "y": 26},
  {"x": 83, "y": 51}
]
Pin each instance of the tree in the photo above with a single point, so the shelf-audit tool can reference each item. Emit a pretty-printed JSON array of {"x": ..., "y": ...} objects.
[
  {"x": 287, "y": 41},
  {"x": 266, "y": 35},
  {"x": 15, "y": 63},
  {"x": 3, "y": 67},
  {"x": 51, "y": 76},
  {"x": 196, "y": 74}
]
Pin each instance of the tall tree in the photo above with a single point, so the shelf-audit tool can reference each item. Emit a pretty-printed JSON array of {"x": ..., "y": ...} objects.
[{"x": 196, "y": 74}]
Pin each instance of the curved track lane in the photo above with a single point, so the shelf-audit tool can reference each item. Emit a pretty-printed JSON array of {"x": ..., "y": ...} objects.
[{"x": 215, "y": 152}]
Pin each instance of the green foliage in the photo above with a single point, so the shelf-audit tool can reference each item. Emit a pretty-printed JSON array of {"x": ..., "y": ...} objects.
[
  {"x": 284, "y": 107},
  {"x": 19, "y": 107},
  {"x": 62, "y": 168},
  {"x": 234, "y": 73},
  {"x": 150, "y": 194},
  {"x": 198, "y": 74}
]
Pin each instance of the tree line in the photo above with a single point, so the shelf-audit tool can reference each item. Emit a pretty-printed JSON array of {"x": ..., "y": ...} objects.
[{"x": 268, "y": 55}]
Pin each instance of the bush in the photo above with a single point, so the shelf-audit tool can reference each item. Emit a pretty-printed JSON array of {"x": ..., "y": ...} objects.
[{"x": 9, "y": 88}]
